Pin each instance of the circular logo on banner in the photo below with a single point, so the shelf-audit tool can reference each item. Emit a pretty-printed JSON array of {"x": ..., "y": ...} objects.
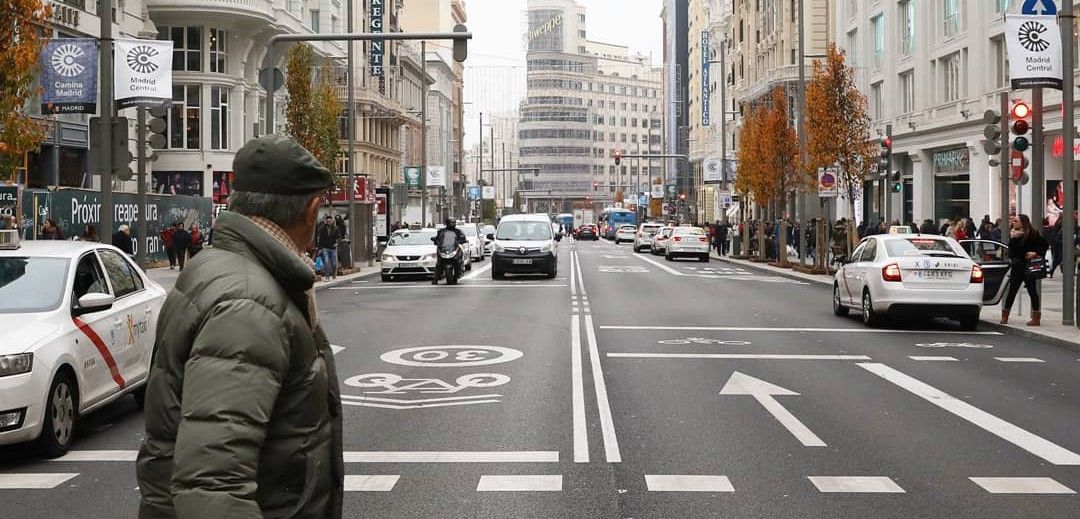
[
  {"x": 141, "y": 59},
  {"x": 1031, "y": 36},
  {"x": 65, "y": 60}
]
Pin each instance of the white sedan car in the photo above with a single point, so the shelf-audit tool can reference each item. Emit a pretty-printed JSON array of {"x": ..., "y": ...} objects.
[
  {"x": 409, "y": 253},
  {"x": 688, "y": 241},
  {"x": 79, "y": 320},
  {"x": 921, "y": 275},
  {"x": 625, "y": 233}
]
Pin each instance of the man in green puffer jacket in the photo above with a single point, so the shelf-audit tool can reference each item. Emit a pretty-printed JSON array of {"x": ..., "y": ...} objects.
[{"x": 243, "y": 414}]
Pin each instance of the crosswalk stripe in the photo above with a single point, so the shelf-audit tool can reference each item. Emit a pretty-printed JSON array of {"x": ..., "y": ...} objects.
[
  {"x": 856, "y": 484},
  {"x": 370, "y": 483},
  {"x": 532, "y": 483},
  {"x": 686, "y": 483},
  {"x": 1018, "y": 359},
  {"x": 33, "y": 481},
  {"x": 933, "y": 358},
  {"x": 107, "y": 455},
  {"x": 1022, "y": 486}
]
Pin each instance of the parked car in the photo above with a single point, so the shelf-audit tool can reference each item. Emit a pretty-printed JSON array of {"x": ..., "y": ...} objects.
[
  {"x": 920, "y": 275},
  {"x": 488, "y": 232},
  {"x": 644, "y": 237}
]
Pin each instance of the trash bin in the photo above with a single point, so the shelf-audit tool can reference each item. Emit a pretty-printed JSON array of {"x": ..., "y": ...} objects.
[{"x": 344, "y": 254}]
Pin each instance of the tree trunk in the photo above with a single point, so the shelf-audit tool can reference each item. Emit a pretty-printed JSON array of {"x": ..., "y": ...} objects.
[{"x": 781, "y": 238}]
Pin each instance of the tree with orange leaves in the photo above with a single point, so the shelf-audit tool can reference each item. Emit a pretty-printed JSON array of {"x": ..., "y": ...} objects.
[
  {"x": 838, "y": 126},
  {"x": 23, "y": 25}
]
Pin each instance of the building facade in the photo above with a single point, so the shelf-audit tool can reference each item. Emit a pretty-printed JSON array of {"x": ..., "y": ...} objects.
[
  {"x": 930, "y": 70},
  {"x": 675, "y": 16},
  {"x": 584, "y": 100}
]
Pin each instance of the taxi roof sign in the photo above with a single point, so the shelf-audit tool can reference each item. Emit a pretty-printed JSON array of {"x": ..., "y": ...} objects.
[
  {"x": 899, "y": 229},
  {"x": 9, "y": 240}
]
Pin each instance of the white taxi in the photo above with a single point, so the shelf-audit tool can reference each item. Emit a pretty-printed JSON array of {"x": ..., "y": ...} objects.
[
  {"x": 688, "y": 241},
  {"x": 920, "y": 275},
  {"x": 409, "y": 253},
  {"x": 78, "y": 323}
]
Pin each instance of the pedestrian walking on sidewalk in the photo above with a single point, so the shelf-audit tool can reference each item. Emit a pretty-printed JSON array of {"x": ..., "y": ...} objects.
[
  {"x": 181, "y": 241},
  {"x": 167, "y": 240},
  {"x": 1025, "y": 245},
  {"x": 326, "y": 239},
  {"x": 243, "y": 414}
]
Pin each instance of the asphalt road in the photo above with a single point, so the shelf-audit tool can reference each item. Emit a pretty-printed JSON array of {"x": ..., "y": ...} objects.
[{"x": 724, "y": 393}]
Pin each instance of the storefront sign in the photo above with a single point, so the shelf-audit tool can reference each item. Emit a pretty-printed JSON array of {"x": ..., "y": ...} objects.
[
  {"x": 382, "y": 216},
  {"x": 375, "y": 24},
  {"x": 474, "y": 192},
  {"x": 9, "y": 200},
  {"x": 657, "y": 191},
  {"x": 69, "y": 76},
  {"x": 488, "y": 192},
  {"x": 143, "y": 72},
  {"x": 956, "y": 160},
  {"x": 706, "y": 117},
  {"x": 1034, "y": 47},
  {"x": 1058, "y": 148}
]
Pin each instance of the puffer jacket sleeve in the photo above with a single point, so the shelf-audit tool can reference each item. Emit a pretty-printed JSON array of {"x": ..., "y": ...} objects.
[{"x": 231, "y": 381}]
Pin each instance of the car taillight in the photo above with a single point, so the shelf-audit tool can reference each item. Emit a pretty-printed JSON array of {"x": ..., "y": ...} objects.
[
  {"x": 891, "y": 272},
  {"x": 976, "y": 274},
  {"x": 677, "y": 238},
  {"x": 703, "y": 239}
]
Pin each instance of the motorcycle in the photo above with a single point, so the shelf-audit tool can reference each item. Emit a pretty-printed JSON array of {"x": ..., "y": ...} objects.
[{"x": 451, "y": 258}]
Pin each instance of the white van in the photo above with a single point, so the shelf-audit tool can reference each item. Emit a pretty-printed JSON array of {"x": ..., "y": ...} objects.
[{"x": 525, "y": 244}]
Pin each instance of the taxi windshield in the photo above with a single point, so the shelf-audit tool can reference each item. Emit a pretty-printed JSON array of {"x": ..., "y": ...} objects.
[{"x": 31, "y": 284}]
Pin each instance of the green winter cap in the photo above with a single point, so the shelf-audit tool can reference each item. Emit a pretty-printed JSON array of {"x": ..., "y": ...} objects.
[{"x": 277, "y": 164}]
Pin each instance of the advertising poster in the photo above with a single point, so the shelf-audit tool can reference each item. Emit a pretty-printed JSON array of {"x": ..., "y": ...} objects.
[
  {"x": 69, "y": 69},
  {"x": 143, "y": 72},
  {"x": 1055, "y": 199},
  {"x": 177, "y": 183}
]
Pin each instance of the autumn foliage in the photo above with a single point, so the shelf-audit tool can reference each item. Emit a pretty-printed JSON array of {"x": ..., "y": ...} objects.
[
  {"x": 314, "y": 104},
  {"x": 23, "y": 33},
  {"x": 768, "y": 154}
]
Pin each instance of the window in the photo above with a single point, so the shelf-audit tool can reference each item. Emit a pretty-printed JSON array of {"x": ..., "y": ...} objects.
[
  {"x": 219, "y": 118},
  {"x": 951, "y": 77},
  {"x": 219, "y": 51},
  {"x": 907, "y": 27},
  {"x": 315, "y": 21},
  {"x": 581, "y": 33},
  {"x": 89, "y": 279},
  {"x": 852, "y": 50},
  {"x": 1001, "y": 63},
  {"x": 907, "y": 91},
  {"x": 187, "y": 47},
  {"x": 122, "y": 275},
  {"x": 878, "y": 23},
  {"x": 334, "y": 28},
  {"x": 951, "y": 17},
  {"x": 875, "y": 100},
  {"x": 184, "y": 117},
  {"x": 261, "y": 128}
]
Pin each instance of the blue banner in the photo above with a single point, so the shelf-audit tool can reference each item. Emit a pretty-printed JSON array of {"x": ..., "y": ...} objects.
[{"x": 69, "y": 70}]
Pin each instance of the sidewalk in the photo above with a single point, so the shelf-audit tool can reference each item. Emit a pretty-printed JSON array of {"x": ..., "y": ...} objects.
[
  {"x": 1051, "y": 330},
  {"x": 167, "y": 278}
]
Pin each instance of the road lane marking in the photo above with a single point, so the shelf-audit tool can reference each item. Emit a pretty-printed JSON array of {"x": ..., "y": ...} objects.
[
  {"x": 607, "y": 426},
  {"x": 581, "y": 435},
  {"x": 336, "y": 349},
  {"x": 581, "y": 278},
  {"x": 856, "y": 484},
  {"x": 573, "y": 276},
  {"x": 672, "y": 483},
  {"x": 422, "y": 400},
  {"x": 476, "y": 272},
  {"x": 370, "y": 483},
  {"x": 734, "y": 356},
  {"x": 790, "y": 330},
  {"x": 661, "y": 266},
  {"x": 1028, "y": 441},
  {"x": 1022, "y": 486},
  {"x": 933, "y": 358},
  {"x": 361, "y": 403},
  {"x": 106, "y": 455},
  {"x": 764, "y": 393},
  {"x": 532, "y": 483},
  {"x": 451, "y": 456},
  {"x": 33, "y": 481},
  {"x": 447, "y": 287},
  {"x": 1018, "y": 359}
]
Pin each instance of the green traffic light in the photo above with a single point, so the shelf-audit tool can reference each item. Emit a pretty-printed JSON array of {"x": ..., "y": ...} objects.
[{"x": 897, "y": 187}]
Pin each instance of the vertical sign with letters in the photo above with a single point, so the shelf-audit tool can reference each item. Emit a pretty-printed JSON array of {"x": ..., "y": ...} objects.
[
  {"x": 706, "y": 116},
  {"x": 375, "y": 24}
]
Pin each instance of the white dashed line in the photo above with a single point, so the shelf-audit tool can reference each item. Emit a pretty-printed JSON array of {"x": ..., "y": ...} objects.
[
  {"x": 1022, "y": 486},
  {"x": 370, "y": 483},
  {"x": 1018, "y": 359},
  {"x": 503, "y": 483},
  {"x": 933, "y": 358},
  {"x": 669, "y": 483},
  {"x": 856, "y": 484}
]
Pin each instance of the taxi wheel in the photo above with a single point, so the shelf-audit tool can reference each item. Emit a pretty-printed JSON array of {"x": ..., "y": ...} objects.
[
  {"x": 869, "y": 317},
  {"x": 61, "y": 414},
  {"x": 838, "y": 307}
]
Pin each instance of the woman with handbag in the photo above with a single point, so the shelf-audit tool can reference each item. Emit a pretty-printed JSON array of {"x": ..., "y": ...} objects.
[{"x": 1027, "y": 251}]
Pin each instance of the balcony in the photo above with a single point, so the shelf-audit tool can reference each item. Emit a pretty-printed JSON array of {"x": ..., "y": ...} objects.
[{"x": 263, "y": 9}]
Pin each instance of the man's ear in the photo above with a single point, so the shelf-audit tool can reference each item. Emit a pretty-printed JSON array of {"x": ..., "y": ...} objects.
[{"x": 312, "y": 212}]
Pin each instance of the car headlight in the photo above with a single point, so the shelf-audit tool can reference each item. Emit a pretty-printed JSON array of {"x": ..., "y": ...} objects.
[
  {"x": 499, "y": 248},
  {"x": 428, "y": 257},
  {"x": 16, "y": 364},
  {"x": 388, "y": 258},
  {"x": 546, "y": 248}
]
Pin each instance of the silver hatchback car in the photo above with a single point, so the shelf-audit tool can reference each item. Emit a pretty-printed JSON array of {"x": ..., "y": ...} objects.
[{"x": 645, "y": 234}]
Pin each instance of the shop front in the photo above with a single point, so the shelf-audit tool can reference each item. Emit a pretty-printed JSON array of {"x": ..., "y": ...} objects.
[{"x": 952, "y": 183}]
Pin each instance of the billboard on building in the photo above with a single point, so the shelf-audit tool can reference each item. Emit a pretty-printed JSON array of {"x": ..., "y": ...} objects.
[
  {"x": 69, "y": 69},
  {"x": 142, "y": 73},
  {"x": 545, "y": 30}
]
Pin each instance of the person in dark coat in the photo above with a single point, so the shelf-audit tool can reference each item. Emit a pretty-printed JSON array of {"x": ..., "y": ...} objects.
[
  {"x": 89, "y": 233},
  {"x": 242, "y": 406},
  {"x": 1054, "y": 235},
  {"x": 327, "y": 236},
  {"x": 122, "y": 240},
  {"x": 181, "y": 242},
  {"x": 1025, "y": 244},
  {"x": 50, "y": 231},
  {"x": 167, "y": 240}
]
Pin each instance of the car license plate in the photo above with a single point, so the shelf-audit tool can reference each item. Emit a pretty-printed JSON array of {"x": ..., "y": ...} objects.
[
  {"x": 408, "y": 264},
  {"x": 523, "y": 262},
  {"x": 934, "y": 274}
]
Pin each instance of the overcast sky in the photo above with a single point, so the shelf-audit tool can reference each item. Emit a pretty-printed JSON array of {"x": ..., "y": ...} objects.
[{"x": 497, "y": 57}]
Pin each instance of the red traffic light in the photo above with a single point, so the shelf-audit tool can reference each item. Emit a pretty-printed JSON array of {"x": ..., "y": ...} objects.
[
  {"x": 886, "y": 142},
  {"x": 618, "y": 157},
  {"x": 595, "y": 184},
  {"x": 1020, "y": 110}
]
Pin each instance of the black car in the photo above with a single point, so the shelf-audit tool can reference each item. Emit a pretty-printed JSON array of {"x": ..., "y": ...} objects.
[{"x": 587, "y": 232}]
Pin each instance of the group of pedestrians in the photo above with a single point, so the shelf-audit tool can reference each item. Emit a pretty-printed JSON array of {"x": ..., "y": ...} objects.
[{"x": 182, "y": 244}]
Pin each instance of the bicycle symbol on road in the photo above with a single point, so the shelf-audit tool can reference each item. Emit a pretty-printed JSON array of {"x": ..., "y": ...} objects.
[
  {"x": 392, "y": 384},
  {"x": 954, "y": 345},
  {"x": 622, "y": 269},
  {"x": 702, "y": 340}
]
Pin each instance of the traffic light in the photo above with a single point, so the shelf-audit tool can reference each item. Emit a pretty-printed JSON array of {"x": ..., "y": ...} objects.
[
  {"x": 896, "y": 185},
  {"x": 595, "y": 185},
  {"x": 992, "y": 132},
  {"x": 1020, "y": 126},
  {"x": 885, "y": 162},
  {"x": 682, "y": 197},
  {"x": 618, "y": 157},
  {"x": 118, "y": 160}
]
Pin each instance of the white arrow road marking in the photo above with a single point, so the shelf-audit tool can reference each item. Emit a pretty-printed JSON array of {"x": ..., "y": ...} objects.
[
  {"x": 663, "y": 267},
  {"x": 1028, "y": 441},
  {"x": 763, "y": 392},
  {"x": 336, "y": 349}
]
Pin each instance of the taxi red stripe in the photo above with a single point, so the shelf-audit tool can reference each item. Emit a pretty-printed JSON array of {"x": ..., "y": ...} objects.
[{"x": 102, "y": 349}]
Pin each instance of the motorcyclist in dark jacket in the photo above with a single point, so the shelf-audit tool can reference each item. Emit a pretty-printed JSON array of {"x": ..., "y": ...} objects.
[{"x": 451, "y": 227}]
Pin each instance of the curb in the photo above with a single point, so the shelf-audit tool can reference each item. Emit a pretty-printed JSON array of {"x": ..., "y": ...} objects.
[
  {"x": 342, "y": 280},
  {"x": 1020, "y": 332}
]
